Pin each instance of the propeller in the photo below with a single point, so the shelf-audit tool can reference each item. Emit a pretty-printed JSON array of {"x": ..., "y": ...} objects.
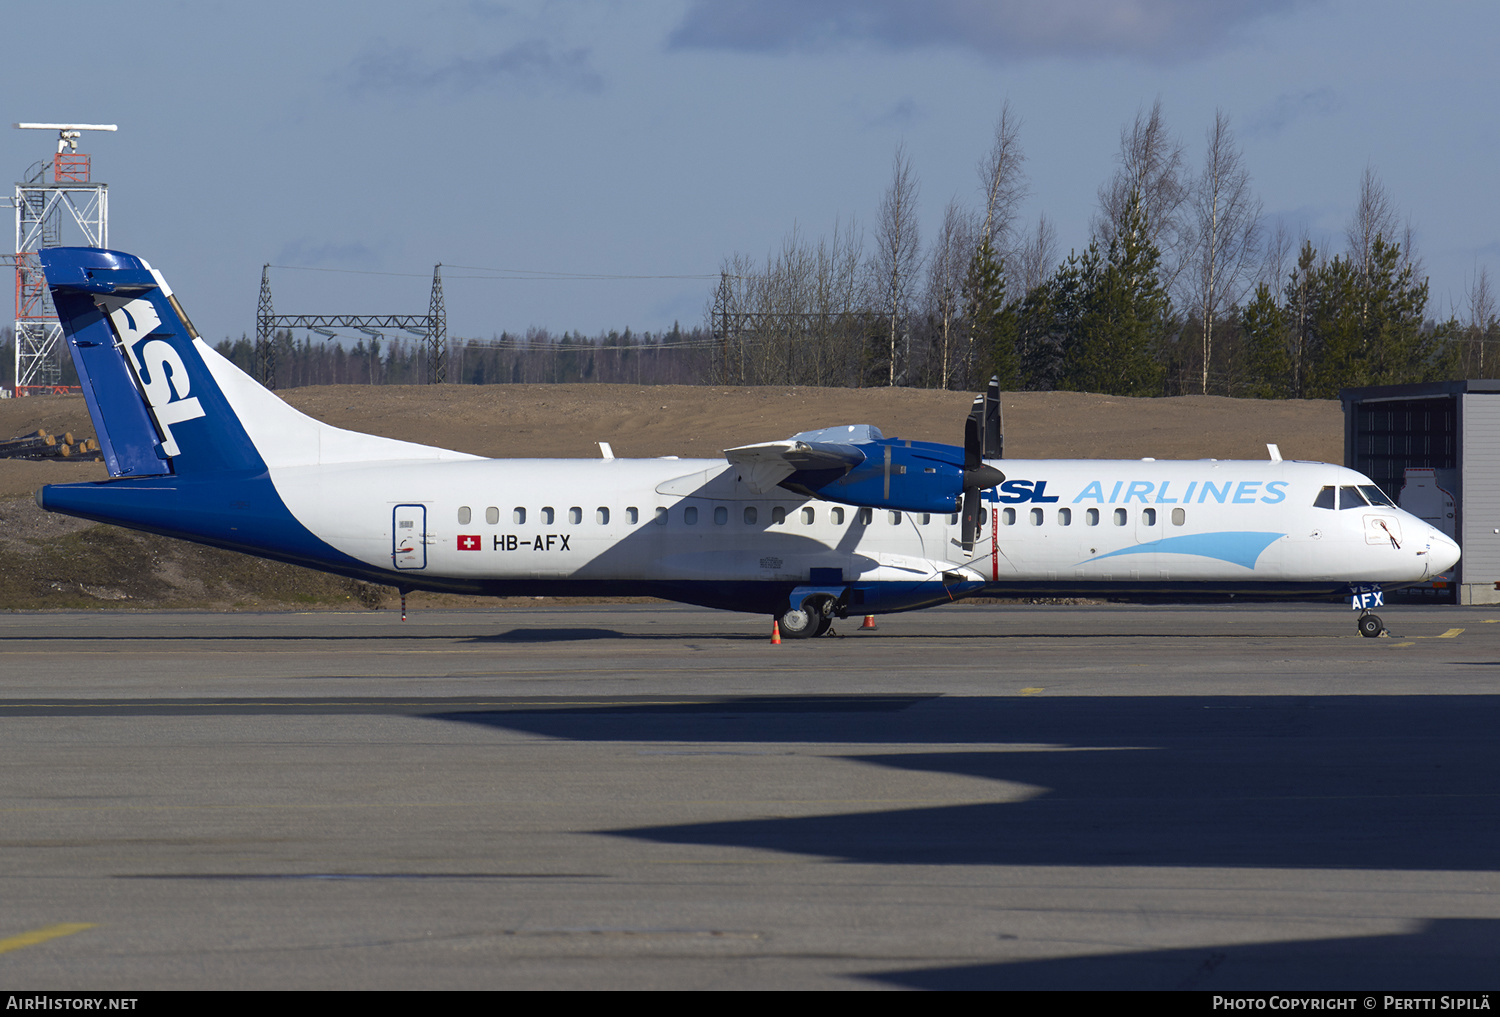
[{"x": 982, "y": 440}]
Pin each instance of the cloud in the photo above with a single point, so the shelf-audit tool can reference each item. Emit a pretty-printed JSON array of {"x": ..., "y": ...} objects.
[
  {"x": 531, "y": 64},
  {"x": 901, "y": 113},
  {"x": 1271, "y": 119},
  {"x": 1157, "y": 30}
]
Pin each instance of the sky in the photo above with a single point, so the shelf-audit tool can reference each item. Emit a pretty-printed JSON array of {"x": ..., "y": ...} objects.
[{"x": 354, "y": 145}]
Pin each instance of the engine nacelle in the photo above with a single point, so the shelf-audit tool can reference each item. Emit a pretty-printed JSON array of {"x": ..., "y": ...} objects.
[{"x": 894, "y": 474}]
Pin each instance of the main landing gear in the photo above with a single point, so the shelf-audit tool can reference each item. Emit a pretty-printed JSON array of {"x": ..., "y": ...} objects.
[
  {"x": 1370, "y": 625},
  {"x": 814, "y": 618}
]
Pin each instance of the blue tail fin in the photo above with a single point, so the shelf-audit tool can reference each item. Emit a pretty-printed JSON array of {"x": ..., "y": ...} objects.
[{"x": 157, "y": 407}]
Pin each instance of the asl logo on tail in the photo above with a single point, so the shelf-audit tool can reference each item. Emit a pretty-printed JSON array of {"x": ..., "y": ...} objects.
[{"x": 158, "y": 367}]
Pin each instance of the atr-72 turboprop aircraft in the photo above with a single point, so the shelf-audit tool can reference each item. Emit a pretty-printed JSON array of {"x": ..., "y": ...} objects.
[{"x": 822, "y": 524}]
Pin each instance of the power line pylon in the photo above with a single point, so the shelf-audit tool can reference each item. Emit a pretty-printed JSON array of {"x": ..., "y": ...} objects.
[
  {"x": 265, "y": 341},
  {"x": 437, "y": 338}
]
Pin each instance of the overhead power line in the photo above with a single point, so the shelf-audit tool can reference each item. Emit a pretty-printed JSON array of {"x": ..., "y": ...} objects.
[{"x": 514, "y": 274}]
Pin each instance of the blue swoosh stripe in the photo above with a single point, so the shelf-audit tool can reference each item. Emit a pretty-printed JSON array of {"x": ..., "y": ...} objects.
[{"x": 1241, "y": 548}]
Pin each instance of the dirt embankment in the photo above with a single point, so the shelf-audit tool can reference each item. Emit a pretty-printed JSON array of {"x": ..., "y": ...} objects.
[{"x": 56, "y": 562}]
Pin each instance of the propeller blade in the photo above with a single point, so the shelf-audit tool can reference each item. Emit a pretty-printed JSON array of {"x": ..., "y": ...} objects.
[
  {"x": 993, "y": 446},
  {"x": 969, "y": 520},
  {"x": 974, "y": 435}
]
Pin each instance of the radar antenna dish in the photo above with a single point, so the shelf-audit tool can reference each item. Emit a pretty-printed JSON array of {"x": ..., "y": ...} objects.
[{"x": 67, "y": 134}]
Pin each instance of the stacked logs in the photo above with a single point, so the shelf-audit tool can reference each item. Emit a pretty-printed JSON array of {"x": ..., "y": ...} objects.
[{"x": 42, "y": 445}]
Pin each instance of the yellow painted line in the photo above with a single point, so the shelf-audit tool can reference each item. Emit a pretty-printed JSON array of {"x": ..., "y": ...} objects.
[
  {"x": 1450, "y": 633},
  {"x": 1030, "y": 692},
  {"x": 42, "y": 935},
  {"x": 1393, "y": 645}
]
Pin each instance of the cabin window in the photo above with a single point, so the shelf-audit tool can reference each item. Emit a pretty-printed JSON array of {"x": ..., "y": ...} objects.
[
  {"x": 661, "y": 516},
  {"x": 721, "y": 515},
  {"x": 1179, "y": 516},
  {"x": 492, "y": 515},
  {"x": 632, "y": 515},
  {"x": 1349, "y": 497},
  {"x": 1008, "y": 516},
  {"x": 518, "y": 514},
  {"x": 750, "y": 515},
  {"x": 464, "y": 515},
  {"x": 690, "y": 515},
  {"x": 575, "y": 515},
  {"x": 866, "y": 516},
  {"x": 1036, "y": 517},
  {"x": 837, "y": 515},
  {"x": 953, "y": 519},
  {"x": 895, "y": 518},
  {"x": 601, "y": 516},
  {"x": 926, "y": 518},
  {"x": 1324, "y": 498},
  {"x": 547, "y": 515},
  {"x": 807, "y": 516},
  {"x": 778, "y": 515},
  {"x": 1148, "y": 516},
  {"x": 1091, "y": 517},
  {"x": 1119, "y": 517},
  {"x": 1065, "y": 517}
]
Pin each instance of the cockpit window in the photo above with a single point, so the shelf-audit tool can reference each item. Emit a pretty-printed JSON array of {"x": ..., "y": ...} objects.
[
  {"x": 1324, "y": 499},
  {"x": 1376, "y": 495},
  {"x": 1349, "y": 497}
]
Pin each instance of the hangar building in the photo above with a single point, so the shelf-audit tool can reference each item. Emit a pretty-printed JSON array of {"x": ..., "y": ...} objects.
[{"x": 1435, "y": 449}]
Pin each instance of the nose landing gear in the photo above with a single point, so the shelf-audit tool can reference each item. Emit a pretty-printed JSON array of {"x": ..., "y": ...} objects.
[{"x": 1370, "y": 625}]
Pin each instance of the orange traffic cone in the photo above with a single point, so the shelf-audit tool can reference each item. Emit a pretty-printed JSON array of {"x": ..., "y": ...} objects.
[
  {"x": 869, "y": 623},
  {"x": 775, "y": 632}
]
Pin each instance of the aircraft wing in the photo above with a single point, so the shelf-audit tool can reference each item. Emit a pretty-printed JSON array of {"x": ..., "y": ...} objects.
[{"x": 765, "y": 465}]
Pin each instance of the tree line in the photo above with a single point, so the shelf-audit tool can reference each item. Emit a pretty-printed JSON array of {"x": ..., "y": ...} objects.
[
  {"x": 1184, "y": 286},
  {"x": 672, "y": 357}
]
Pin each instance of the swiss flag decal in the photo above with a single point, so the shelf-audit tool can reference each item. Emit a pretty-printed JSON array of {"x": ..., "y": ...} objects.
[{"x": 468, "y": 541}]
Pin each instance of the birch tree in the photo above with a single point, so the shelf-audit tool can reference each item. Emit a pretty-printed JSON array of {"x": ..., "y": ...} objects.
[
  {"x": 897, "y": 253},
  {"x": 1150, "y": 174},
  {"x": 1374, "y": 217},
  {"x": 1226, "y": 225},
  {"x": 1481, "y": 325},
  {"x": 1036, "y": 255},
  {"x": 1003, "y": 181},
  {"x": 946, "y": 268}
]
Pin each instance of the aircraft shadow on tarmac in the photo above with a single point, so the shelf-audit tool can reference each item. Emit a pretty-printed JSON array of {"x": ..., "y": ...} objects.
[
  {"x": 1443, "y": 955},
  {"x": 1357, "y": 782}
]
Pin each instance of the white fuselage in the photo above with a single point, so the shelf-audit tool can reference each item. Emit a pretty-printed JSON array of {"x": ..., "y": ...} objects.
[{"x": 1088, "y": 523}]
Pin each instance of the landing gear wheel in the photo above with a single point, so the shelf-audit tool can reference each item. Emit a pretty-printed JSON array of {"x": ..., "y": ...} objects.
[
  {"x": 803, "y": 623},
  {"x": 1370, "y": 625},
  {"x": 824, "y": 625}
]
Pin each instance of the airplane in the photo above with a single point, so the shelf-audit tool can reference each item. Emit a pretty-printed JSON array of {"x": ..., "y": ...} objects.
[{"x": 821, "y": 525}]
